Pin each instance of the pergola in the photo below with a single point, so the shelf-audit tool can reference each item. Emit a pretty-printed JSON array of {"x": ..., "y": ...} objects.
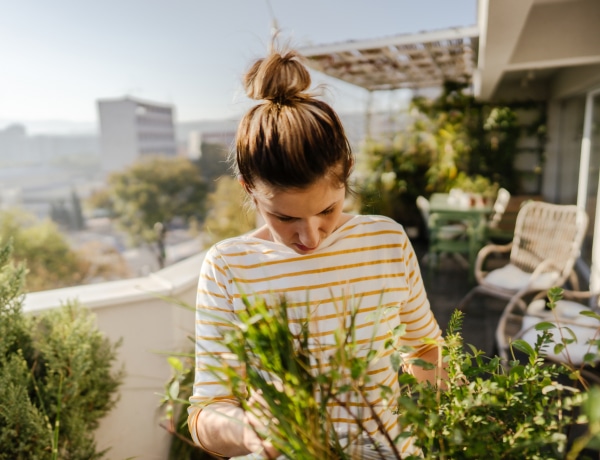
[{"x": 423, "y": 60}]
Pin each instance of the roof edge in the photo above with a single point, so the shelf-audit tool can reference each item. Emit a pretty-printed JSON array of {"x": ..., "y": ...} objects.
[{"x": 453, "y": 33}]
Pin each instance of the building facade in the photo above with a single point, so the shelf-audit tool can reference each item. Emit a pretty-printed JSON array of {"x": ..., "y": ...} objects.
[
  {"x": 131, "y": 129},
  {"x": 522, "y": 57}
]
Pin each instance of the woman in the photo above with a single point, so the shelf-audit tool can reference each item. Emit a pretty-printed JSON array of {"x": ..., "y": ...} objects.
[{"x": 294, "y": 161}]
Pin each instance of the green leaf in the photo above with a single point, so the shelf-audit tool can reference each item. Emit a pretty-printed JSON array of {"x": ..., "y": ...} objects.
[
  {"x": 371, "y": 355},
  {"x": 523, "y": 346},
  {"x": 422, "y": 363},
  {"x": 399, "y": 330},
  {"x": 175, "y": 363},
  {"x": 174, "y": 389},
  {"x": 544, "y": 326},
  {"x": 592, "y": 405},
  {"x": 406, "y": 379},
  {"x": 395, "y": 361},
  {"x": 590, "y": 313},
  {"x": 571, "y": 333}
]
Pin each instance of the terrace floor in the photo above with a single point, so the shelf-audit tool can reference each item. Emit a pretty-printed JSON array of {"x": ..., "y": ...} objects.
[{"x": 446, "y": 285}]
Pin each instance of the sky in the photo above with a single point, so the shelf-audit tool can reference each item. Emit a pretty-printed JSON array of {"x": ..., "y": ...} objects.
[{"x": 58, "y": 57}]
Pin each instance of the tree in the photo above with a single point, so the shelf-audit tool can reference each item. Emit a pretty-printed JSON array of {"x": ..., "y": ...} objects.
[
  {"x": 226, "y": 216},
  {"x": 150, "y": 195},
  {"x": 213, "y": 162},
  {"x": 51, "y": 261}
]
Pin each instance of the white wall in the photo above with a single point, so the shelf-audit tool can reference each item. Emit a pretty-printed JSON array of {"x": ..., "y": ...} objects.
[
  {"x": 135, "y": 311},
  {"x": 561, "y": 169}
]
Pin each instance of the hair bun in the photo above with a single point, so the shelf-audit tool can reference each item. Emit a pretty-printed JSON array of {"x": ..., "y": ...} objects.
[{"x": 278, "y": 78}]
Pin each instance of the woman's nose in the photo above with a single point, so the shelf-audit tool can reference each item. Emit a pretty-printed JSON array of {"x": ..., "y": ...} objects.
[{"x": 309, "y": 234}]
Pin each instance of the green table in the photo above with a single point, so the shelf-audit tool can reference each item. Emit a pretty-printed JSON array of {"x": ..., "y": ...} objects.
[{"x": 443, "y": 212}]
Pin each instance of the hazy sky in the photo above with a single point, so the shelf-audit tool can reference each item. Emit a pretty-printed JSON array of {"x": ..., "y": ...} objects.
[{"x": 57, "y": 57}]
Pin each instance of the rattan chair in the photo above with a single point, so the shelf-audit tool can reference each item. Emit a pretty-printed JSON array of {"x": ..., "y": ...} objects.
[
  {"x": 546, "y": 244},
  {"x": 494, "y": 232},
  {"x": 577, "y": 331},
  {"x": 502, "y": 199}
]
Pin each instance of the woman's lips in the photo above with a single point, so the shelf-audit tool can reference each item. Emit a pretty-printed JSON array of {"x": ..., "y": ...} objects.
[{"x": 305, "y": 248}]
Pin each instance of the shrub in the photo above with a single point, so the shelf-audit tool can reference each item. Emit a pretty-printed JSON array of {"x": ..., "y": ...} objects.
[
  {"x": 56, "y": 376},
  {"x": 485, "y": 408}
]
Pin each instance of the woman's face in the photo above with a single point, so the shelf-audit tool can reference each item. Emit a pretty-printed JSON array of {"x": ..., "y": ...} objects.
[{"x": 301, "y": 218}]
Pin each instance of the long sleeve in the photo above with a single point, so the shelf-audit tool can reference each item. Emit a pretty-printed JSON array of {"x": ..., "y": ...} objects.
[{"x": 214, "y": 316}]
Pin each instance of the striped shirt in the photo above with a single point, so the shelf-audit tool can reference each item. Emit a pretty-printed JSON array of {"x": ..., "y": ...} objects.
[{"x": 367, "y": 266}]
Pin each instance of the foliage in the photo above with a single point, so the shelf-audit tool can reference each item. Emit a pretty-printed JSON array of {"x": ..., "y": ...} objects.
[
  {"x": 150, "y": 195},
  {"x": 56, "y": 376},
  {"x": 175, "y": 402},
  {"x": 484, "y": 409},
  {"x": 475, "y": 184},
  {"x": 68, "y": 215},
  {"x": 451, "y": 134},
  {"x": 51, "y": 261},
  {"x": 487, "y": 410},
  {"x": 227, "y": 215}
]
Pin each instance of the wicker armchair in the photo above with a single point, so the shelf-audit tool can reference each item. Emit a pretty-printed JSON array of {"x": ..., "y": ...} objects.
[
  {"x": 546, "y": 244},
  {"x": 494, "y": 232}
]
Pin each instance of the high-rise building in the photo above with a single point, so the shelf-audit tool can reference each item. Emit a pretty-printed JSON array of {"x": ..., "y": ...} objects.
[{"x": 131, "y": 129}]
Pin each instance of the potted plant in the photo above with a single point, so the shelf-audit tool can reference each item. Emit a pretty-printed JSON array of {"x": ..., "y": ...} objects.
[{"x": 481, "y": 190}]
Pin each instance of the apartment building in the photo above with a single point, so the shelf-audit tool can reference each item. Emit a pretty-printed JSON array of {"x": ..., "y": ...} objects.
[{"x": 131, "y": 129}]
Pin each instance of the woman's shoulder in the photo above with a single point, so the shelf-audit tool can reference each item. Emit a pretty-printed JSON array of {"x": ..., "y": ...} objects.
[
  {"x": 245, "y": 247},
  {"x": 234, "y": 244},
  {"x": 373, "y": 221},
  {"x": 368, "y": 229}
]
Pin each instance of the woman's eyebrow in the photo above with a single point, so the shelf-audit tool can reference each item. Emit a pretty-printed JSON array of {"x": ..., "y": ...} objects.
[{"x": 278, "y": 214}]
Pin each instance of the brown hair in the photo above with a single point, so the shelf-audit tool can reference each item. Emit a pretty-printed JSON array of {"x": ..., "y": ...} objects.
[{"x": 291, "y": 139}]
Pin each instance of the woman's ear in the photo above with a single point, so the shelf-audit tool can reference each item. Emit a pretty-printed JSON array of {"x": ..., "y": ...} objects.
[{"x": 244, "y": 184}]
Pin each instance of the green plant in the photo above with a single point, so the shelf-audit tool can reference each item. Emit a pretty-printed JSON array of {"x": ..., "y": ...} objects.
[
  {"x": 227, "y": 215},
  {"x": 175, "y": 401},
  {"x": 476, "y": 184},
  {"x": 56, "y": 376},
  {"x": 485, "y": 408},
  {"x": 448, "y": 135}
]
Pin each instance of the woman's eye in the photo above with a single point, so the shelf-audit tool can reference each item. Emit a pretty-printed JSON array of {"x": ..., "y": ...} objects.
[
  {"x": 285, "y": 219},
  {"x": 327, "y": 211}
]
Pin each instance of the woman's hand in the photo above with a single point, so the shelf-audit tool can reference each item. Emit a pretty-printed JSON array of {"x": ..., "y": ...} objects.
[{"x": 256, "y": 427}]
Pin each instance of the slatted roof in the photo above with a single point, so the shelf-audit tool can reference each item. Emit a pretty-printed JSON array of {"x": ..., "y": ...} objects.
[{"x": 422, "y": 60}]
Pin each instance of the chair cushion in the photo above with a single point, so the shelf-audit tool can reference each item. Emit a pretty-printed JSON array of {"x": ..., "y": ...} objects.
[
  {"x": 451, "y": 231},
  {"x": 573, "y": 352},
  {"x": 512, "y": 278},
  {"x": 564, "y": 309}
]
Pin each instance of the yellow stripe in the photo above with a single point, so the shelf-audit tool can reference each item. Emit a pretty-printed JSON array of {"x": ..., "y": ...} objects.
[{"x": 317, "y": 271}]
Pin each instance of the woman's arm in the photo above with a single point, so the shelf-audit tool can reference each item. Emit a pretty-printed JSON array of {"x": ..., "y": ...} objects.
[
  {"x": 437, "y": 375},
  {"x": 422, "y": 324},
  {"x": 216, "y": 421},
  {"x": 225, "y": 429}
]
